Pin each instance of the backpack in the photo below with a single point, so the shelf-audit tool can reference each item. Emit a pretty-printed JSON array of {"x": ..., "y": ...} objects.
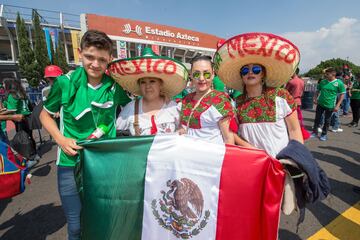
[
  {"x": 13, "y": 172},
  {"x": 34, "y": 119},
  {"x": 23, "y": 144}
]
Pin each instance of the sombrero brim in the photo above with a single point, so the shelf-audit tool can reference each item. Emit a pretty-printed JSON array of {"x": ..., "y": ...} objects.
[
  {"x": 278, "y": 55},
  {"x": 128, "y": 71}
]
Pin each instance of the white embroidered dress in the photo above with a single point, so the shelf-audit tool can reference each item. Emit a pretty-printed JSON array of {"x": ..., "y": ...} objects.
[
  {"x": 262, "y": 120},
  {"x": 166, "y": 120}
]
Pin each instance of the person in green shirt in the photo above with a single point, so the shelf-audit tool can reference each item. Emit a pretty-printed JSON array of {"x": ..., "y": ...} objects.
[
  {"x": 355, "y": 102},
  {"x": 87, "y": 99},
  {"x": 17, "y": 102},
  {"x": 4, "y": 116},
  {"x": 328, "y": 90}
]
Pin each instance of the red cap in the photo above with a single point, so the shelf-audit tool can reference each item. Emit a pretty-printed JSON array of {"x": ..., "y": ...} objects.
[{"x": 52, "y": 71}]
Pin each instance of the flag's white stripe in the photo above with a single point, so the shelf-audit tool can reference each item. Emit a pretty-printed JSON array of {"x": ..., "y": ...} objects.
[{"x": 197, "y": 160}]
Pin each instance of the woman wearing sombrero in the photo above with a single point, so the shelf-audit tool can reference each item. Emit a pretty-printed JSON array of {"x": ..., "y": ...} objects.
[
  {"x": 156, "y": 79},
  {"x": 259, "y": 64}
]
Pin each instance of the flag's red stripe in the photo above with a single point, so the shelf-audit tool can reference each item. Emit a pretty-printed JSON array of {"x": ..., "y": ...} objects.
[{"x": 251, "y": 187}]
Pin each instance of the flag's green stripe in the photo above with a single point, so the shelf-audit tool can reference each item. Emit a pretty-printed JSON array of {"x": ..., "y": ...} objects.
[{"x": 112, "y": 209}]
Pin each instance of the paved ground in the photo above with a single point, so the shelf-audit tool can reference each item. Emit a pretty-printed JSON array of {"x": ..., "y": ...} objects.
[{"x": 37, "y": 214}]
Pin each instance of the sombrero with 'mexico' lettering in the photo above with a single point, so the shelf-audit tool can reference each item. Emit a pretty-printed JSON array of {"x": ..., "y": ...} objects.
[
  {"x": 128, "y": 71},
  {"x": 279, "y": 56}
]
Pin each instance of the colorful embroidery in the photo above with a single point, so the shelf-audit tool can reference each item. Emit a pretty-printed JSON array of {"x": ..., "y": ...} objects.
[
  {"x": 262, "y": 108},
  {"x": 217, "y": 99}
]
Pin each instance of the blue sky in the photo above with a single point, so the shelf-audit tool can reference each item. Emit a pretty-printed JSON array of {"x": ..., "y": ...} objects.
[{"x": 314, "y": 25}]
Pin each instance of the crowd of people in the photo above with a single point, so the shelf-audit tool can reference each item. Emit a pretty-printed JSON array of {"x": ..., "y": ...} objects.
[{"x": 151, "y": 92}]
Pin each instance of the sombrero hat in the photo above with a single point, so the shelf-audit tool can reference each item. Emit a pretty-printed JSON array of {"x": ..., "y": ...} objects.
[
  {"x": 278, "y": 55},
  {"x": 128, "y": 71}
]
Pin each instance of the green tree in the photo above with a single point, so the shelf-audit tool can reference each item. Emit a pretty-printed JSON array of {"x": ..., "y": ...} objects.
[
  {"x": 27, "y": 64},
  {"x": 40, "y": 49},
  {"x": 337, "y": 63},
  {"x": 60, "y": 58}
]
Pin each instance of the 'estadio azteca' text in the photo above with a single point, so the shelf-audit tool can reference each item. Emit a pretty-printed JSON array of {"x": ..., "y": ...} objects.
[{"x": 167, "y": 33}]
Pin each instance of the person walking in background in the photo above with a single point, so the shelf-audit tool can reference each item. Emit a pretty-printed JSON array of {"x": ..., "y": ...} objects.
[
  {"x": 296, "y": 88},
  {"x": 50, "y": 74},
  {"x": 346, "y": 78},
  {"x": 355, "y": 102},
  {"x": 4, "y": 116},
  {"x": 328, "y": 90},
  {"x": 346, "y": 102},
  {"x": 17, "y": 102}
]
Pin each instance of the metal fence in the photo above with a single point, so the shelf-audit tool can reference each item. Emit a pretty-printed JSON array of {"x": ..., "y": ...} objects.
[
  {"x": 47, "y": 17},
  {"x": 34, "y": 96}
]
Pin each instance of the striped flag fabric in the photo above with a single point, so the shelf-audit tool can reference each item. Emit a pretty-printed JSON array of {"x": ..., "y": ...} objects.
[{"x": 177, "y": 187}]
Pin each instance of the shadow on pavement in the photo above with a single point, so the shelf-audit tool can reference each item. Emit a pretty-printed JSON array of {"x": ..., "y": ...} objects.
[
  {"x": 42, "y": 171},
  {"x": 358, "y": 133},
  {"x": 36, "y": 224},
  {"x": 325, "y": 214},
  {"x": 3, "y": 204},
  {"x": 349, "y": 168},
  {"x": 354, "y": 155},
  {"x": 45, "y": 147},
  {"x": 339, "y": 228},
  {"x": 344, "y": 191},
  {"x": 287, "y": 235},
  {"x": 322, "y": 212}
]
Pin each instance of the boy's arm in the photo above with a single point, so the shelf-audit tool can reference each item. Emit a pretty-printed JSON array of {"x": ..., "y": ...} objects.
[{"x": 68, "y": 145}]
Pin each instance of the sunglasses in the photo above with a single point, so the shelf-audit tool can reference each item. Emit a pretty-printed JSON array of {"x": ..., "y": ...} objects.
[
  {"x": 255, "y": 70},
  {"x": 197, "y": 75}
]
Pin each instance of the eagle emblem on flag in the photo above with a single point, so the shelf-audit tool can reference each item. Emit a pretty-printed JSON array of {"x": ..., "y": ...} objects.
[{"x": 182, "y": 208}]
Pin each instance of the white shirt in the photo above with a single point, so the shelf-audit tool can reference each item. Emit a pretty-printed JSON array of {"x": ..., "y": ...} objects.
[
  {"x": 270, "y": 136},
  {"x": 166, "y": 120},
  {"x": 210, "y": 130}
]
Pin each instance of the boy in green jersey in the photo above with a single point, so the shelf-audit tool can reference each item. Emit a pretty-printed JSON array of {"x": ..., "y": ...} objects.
[
  {"x": 328, "y": 90},
  {"x": 86, "y": 98}
]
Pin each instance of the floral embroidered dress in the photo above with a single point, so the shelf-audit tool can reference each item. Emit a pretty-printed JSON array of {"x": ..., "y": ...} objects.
[
  {"x": 262, "y": 119},
  {"x": 204, "y": 122},
  {"x": 165, "y": 121}
]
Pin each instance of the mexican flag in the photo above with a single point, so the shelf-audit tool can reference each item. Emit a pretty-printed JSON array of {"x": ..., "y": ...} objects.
[{"x": 177, "y": 187}]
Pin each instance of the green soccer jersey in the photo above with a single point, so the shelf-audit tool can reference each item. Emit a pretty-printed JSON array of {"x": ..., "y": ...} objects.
[
  {"x": 355, "y": 90},
  {"x": 83, "y": 107},
  {"x": 19, "y": 106},
  {"x": 329, "y": 91}
]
